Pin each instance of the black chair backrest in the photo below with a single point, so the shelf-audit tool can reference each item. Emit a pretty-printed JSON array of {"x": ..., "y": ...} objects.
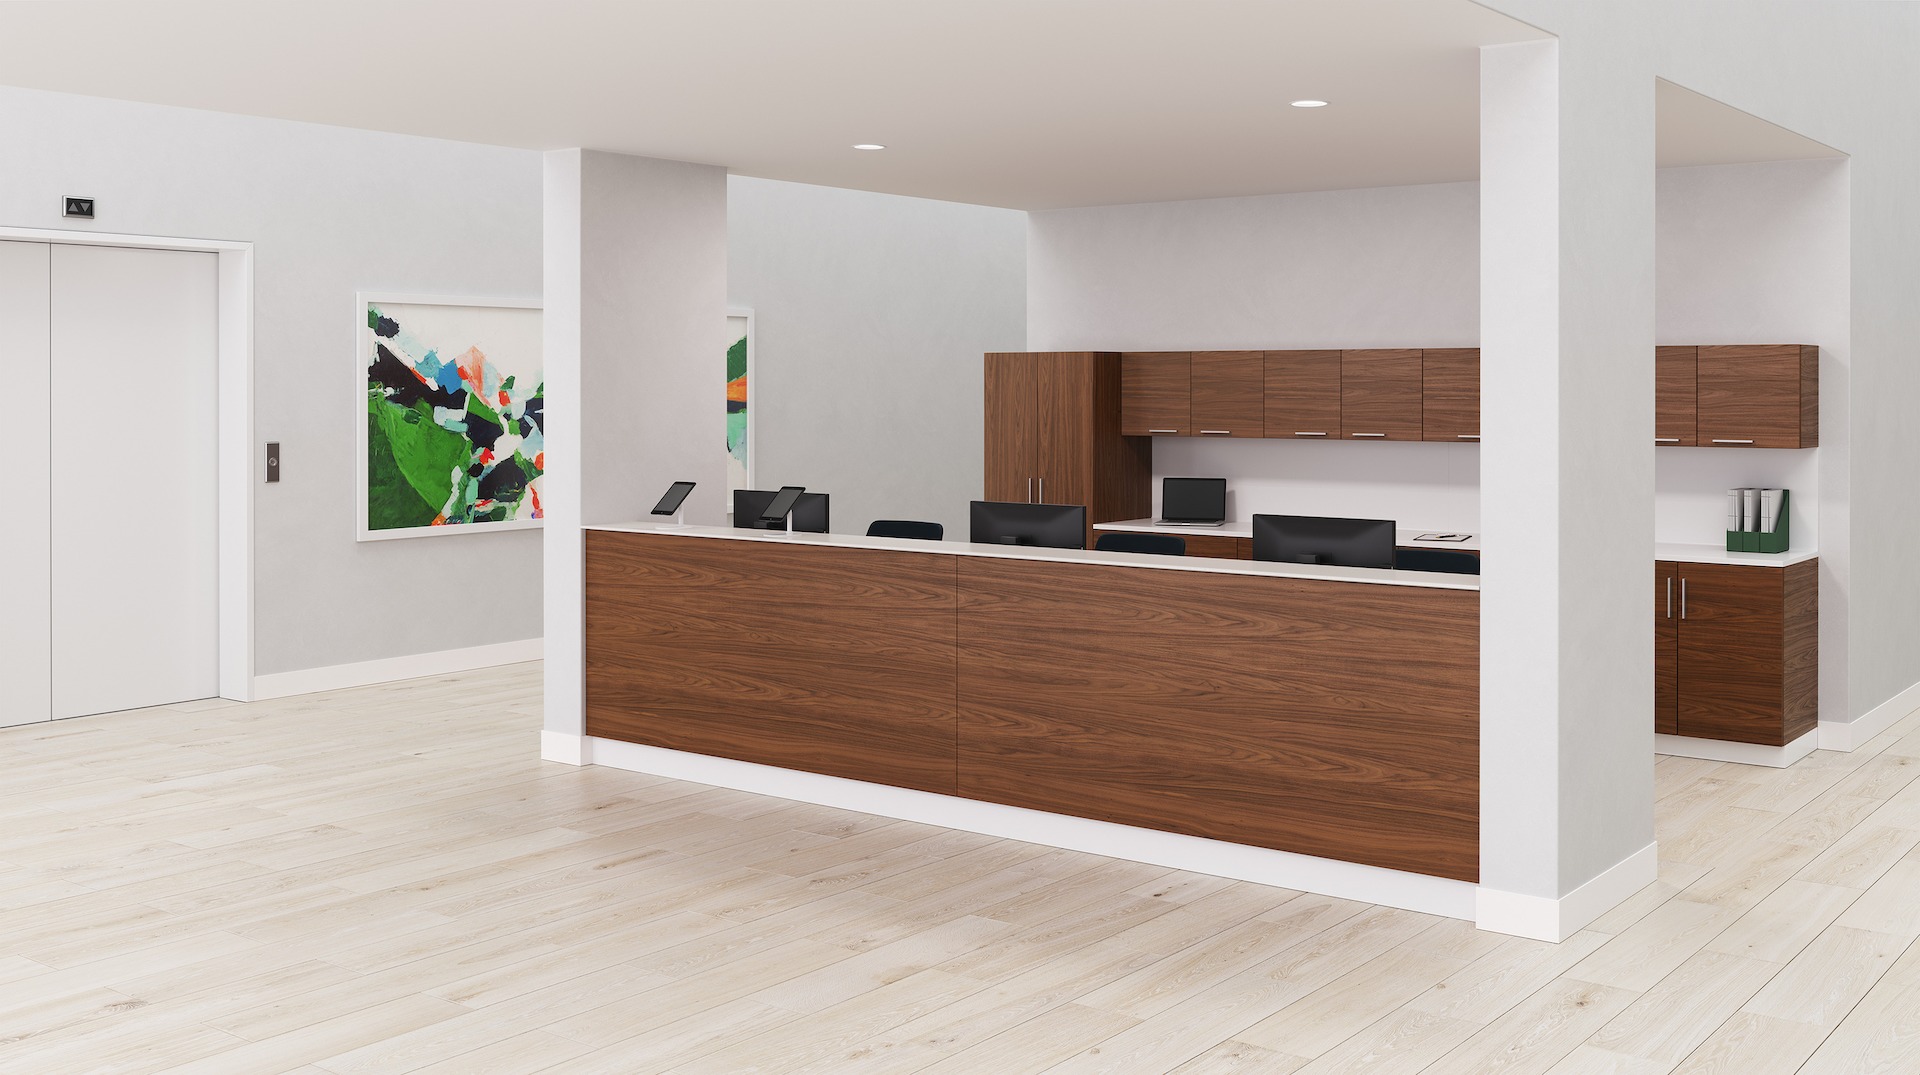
[
  {"x": 906, "y": 528},
  {"x": 1124, "y": 541},
  {"x": 1447, "y": 560}
]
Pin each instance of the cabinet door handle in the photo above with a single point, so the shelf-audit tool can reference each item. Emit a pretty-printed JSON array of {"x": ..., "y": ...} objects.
[
  {"x": 1467, "y": 436},
  {"x": 1043, "y": 492},
  {"x": 1163, "y": 431},
  {"x": 1216, "y": 432},
  {"x": 1669, "y": 596},
  {"x": 1366, "y": 434},
  {"x": 1029, "y": 490},
  {"x": 1724, "y": 440},
  {"x": 1683, "y": 599},
  {"x": 1300, "y": 434},
  {"x": 1666, "y": 440}
]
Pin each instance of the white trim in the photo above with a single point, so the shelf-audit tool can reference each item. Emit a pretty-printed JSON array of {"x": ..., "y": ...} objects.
[
  {"x": 235, "y": 449},
  {"x": 1347, "y": 880},
  {"x": 1686, "y": 746},
  {"x": 1854, "y": 734},
  {"x": 564, "y": 747},
  {"x": 389, "y": 669},
  {"x": 363, "y": 341},
  {"x": 1544, "y": 919}
]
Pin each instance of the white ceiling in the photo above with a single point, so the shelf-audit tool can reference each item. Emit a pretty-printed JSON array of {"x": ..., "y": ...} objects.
[{"x": 1029, "y": 104}]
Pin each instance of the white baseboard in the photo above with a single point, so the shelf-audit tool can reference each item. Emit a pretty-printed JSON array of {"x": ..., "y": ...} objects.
[
  {"x": 1853, "y": 734},
  {"x": 366, "y": 673},
  {"x": 1347, "y": 880},
  {"x": 563, "y": 747},
  {"x": 1544, "y": 919},
  {"x": 1686, "y": 746}
]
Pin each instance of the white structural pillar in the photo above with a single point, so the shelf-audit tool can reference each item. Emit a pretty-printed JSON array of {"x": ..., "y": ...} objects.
[
  {"x": 635, "y": 342},
  {"x": 1566, "y": 481}
]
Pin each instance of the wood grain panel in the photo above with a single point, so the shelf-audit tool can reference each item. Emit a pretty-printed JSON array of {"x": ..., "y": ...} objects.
[
  {"x": 1156, "y": 393},
  {"x": 1213, "y": 546},
  {"x": 1122, "y": 465},
  {"x": 1674, "y": 395},
  {"x": 1809, "y": 396},
  {"x": 835, "y": 661},
  {"x": 1318, "y": 717},
  {"x": 1302, "y": 394},
  {"x": 1065, "y": 454},
  {"x": 1243, "y": 548},
  {"x": 1012, "y": 426},
  {"x": 1800, "y": 704},
  {"x": 1380, "y": 394},
  {"x": 1450, "y": 394},
  {"x": 1750, "y": 396},
  {"x": 1666, "y": 657},
  {"x": 1731, "y": 655},
  {"x": 1229, "y": 393}
]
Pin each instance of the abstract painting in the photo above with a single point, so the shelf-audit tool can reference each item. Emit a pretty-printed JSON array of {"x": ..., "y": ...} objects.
[
  {"x": 739, "y": 414},
  {"x": 452, "y": 436}
]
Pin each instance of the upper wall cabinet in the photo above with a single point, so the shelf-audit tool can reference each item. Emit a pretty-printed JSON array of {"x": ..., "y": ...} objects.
[
  {"x": 1450, "y": 394},
  {"x": 1758, "y": 396},
  {"x": 1380, "y": 394},
  {"x": 1303, "y": 394},
  {"x": 1674, "y": 395},
  {"x": 1228, "y": 392},
  {"x": 1156, "y": 393}
]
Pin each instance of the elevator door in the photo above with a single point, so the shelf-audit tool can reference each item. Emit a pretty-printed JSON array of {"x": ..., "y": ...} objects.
[{"x": 134, "y": 510}]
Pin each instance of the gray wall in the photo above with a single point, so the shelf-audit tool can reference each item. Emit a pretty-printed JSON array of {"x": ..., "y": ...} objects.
[
  {"x": 871, "y": 312},
  {"x": 330, "y": 211}
]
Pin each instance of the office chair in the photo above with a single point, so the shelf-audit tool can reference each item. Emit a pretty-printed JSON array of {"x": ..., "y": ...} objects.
[
  {"x": 1160, "y": 544},
  {"x": 906, "y": 528},
  {"x": 1446, "y": 560}
]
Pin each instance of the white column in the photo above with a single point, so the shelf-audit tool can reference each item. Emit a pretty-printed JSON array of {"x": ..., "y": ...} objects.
[
  {"x": 635, "y": 339},
  {"x": 1566, "y": 479}
]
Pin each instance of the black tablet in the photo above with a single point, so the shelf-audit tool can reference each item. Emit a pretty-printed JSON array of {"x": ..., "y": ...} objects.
[{"x": 676, "y": 495}]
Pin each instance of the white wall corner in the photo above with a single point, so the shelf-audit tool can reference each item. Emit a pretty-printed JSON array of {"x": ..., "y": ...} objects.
[
  {"x": 1543, "y": 919},
  {"x": 565, "y": 748},
  {"x": 1854, "y": 734}
]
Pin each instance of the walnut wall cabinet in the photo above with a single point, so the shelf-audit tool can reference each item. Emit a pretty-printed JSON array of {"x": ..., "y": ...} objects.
[
  {"x": 1737, "y": 651},
  {"x": 1450, "y": 394},
  {"x": 1053, "y": 435},
  {"x": 1380, "y": 394}
]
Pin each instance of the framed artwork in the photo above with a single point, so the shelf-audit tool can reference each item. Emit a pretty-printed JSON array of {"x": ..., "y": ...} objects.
[
  {"x": 739, "y": 402},
  {"x": 452, "y": 416}
]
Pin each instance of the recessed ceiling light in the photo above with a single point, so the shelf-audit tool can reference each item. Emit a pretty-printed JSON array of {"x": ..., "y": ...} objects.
[
  {"x": 1309, "y": 103},
  {"x": 869, "y": 145}
]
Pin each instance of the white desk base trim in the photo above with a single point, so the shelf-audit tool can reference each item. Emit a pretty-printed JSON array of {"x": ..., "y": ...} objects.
[
  {"x": 1282, "y": 869},
  {"x": 563, "y": 747},
  {"x": 1544, "y": 919},
  {"x": 1854, "y": 734},
  {"x": 1686, "y": 746}
]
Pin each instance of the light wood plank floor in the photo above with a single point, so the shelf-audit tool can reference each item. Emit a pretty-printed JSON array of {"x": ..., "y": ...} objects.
[{"x": 388, "y": 880}]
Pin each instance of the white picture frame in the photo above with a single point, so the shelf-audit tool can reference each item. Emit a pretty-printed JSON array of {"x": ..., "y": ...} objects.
[{"x": 524, "y": 337}]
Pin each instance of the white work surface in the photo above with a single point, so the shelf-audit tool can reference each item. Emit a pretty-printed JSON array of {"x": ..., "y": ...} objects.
[
  {"x": 1243, "y": 528},
  {"x": 1324, "y": 572}
]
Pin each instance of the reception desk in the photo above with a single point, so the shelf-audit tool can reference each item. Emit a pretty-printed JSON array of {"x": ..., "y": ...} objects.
[{"x": 1330, "y": 712}]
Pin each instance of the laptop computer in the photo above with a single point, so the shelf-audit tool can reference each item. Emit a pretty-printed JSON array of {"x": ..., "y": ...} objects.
[{"x": 1193, "y": 502}]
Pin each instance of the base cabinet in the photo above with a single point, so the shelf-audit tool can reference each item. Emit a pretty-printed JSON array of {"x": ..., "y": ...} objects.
[{"x": 1737, "y": 660}]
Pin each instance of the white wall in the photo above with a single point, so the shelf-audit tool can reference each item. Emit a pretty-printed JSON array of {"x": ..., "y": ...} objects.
[
  {"x": 1843, "y": 75},
  {"x": 871, "y": 313},
  {"x": 331, "y": 211}
]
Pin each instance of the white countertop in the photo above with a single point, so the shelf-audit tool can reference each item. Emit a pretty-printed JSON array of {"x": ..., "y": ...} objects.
[
  {"x": 1718, "y": 554},
  {"x": 1243, "y": 528},
  {"x": 1323, "y": 572}
]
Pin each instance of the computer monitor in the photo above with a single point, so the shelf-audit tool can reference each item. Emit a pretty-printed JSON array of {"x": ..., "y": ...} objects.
[
  {"x": 1193, "y": 501},
  {"x": 1051, "y": 526},
  {"x": 1305, "y": 539},
  {"x": 809, "y": 512}
]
